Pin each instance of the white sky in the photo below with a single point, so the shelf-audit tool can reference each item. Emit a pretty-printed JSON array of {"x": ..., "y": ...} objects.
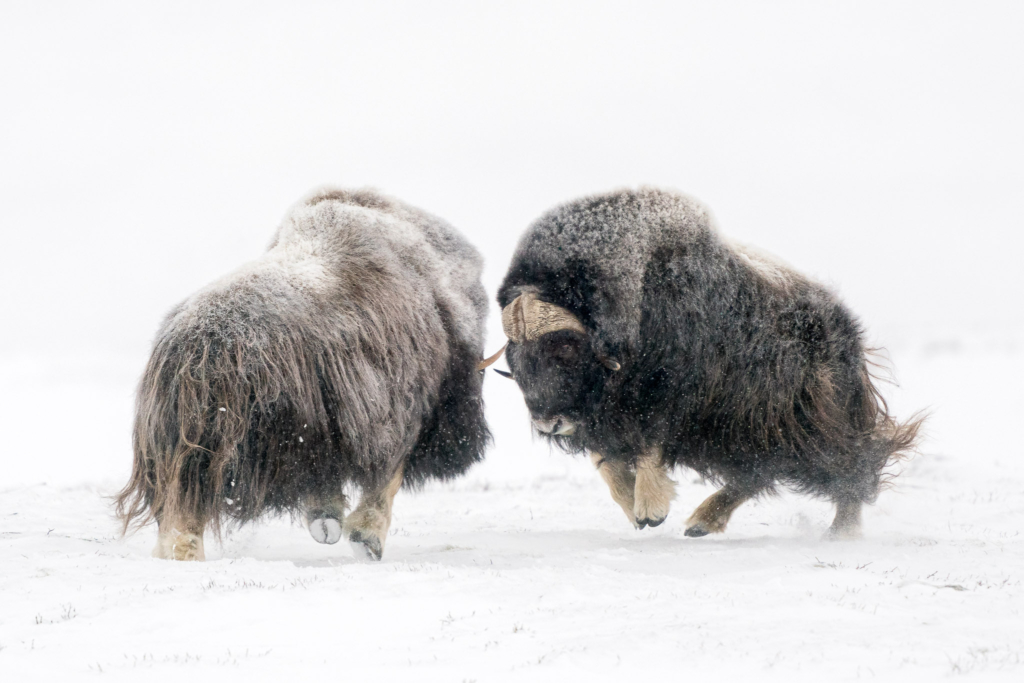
[{"x": 146, "y": 149}]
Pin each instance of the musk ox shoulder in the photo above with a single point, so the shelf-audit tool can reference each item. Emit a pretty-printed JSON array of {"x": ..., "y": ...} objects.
[
  {"x": 641, "y": 336},
  {"x": 346, "y": 354}
]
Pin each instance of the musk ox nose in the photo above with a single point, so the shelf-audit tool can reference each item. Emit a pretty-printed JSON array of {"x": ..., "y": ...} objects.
[{"x": 556, "y": 426}]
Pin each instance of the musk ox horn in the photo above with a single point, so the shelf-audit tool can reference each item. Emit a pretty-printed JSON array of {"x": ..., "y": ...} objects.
[
  {"x": 488, "y": 362},
  {"x": 528, "y": 318}
]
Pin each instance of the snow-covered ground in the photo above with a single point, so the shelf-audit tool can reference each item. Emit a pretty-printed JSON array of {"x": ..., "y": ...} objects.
[
  {"x": 527, "y": 570},
  {"x": 148, "y": 148}
]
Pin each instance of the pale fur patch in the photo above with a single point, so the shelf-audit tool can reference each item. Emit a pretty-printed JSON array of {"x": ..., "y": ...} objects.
[
  {"x": 620, "y": 480},
  {"x": 654, "y": 491},
  {"x": 768, "y": 266},
  {"x": 177, "y": 545}
]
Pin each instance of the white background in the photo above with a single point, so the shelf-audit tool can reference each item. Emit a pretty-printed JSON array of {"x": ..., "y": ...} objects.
[{"x": 147, "y": 148}]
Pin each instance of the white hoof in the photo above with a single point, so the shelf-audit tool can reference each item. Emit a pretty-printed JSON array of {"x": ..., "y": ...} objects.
[{"x": 325, "y": 530}]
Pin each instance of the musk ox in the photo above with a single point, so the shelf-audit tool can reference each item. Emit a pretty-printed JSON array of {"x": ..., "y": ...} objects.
[
  {"x": 640, "y": 335},
  {"x": 346, "y": 354}
]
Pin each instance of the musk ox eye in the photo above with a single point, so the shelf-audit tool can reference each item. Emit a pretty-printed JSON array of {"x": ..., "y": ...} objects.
[{"x": 565, "y": 351}]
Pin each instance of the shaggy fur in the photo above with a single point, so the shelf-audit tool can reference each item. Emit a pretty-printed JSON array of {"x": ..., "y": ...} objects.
[
  {"x": 731, "y": 363},
  {"x": 343, "y": 354}
]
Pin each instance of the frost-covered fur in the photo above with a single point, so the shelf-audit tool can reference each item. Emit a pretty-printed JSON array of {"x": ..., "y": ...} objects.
[
  {"x": 731, "y": 363},
  {"x": 345, "y": 353}
]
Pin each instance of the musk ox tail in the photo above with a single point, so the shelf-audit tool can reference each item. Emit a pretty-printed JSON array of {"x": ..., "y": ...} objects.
[
  {"x": 890, "y": 440},
  {"x": 191, "y": 413},
  {"x": 849, "y": 441}
]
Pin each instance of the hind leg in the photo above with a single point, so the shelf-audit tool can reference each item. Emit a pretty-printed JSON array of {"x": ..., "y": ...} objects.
[
  {"x": 179, "y": 541},
  {"x": 368, "y": 524},
  {"x": 846, "y": 524},
  {"x": 620, "y": 480},
  {"x": 324, "y": 518},
  {"x": 712, "y": 516}
]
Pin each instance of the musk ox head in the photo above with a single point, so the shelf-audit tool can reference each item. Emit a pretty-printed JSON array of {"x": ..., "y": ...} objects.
[{"x": 554, "y": 364}]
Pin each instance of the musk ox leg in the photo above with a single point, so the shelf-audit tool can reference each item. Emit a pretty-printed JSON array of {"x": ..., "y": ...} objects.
[
  {"x": 654, "y": 491},
  {"x": 713, "y": 514},
  {"x": 324, "y": 519},
  {"x": 179, "y": 541},
  {"x": 368, "y": 524},
  {"x": 846, "y": 525},
  {"x": 621, "y": 482}
]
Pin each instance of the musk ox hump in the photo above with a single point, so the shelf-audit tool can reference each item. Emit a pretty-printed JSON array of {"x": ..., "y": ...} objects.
[{"x": 768, "y": 267}]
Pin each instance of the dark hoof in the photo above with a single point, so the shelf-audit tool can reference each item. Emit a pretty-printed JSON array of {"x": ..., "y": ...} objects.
[
  {"x": 696, "y": 532},
  {"x": 641, "y": 523},
  {"x": 369, "y": 546},
  {"x": 655, "y": 522}
]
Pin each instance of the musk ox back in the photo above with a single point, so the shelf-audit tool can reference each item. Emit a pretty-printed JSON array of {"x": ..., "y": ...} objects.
[
  {"x": 345, "y": 354},
  {"x": 638, "y": 334}
]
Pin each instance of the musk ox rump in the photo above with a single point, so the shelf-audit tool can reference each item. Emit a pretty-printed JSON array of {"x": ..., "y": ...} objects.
[
  {"x": 638, "y": 334},
  {"x": 346, "y": 354}
]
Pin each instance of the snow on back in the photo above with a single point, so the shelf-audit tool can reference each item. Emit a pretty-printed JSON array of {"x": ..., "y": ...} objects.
[{"x": 446, "y": 262}]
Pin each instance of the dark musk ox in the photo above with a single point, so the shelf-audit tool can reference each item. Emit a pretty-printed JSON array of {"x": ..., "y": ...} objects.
[
  {"x": 346, "y": 354},
  {"x": 640, "y": 335}
]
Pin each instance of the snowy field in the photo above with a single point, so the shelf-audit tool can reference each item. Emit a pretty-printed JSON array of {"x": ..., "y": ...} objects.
[
  {"x": 526, "y": 570},
  {"x": 146, "y": 149}
]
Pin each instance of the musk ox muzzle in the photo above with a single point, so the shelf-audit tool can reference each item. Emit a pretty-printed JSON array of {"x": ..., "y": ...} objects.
[{"x": 555, "y": 426}]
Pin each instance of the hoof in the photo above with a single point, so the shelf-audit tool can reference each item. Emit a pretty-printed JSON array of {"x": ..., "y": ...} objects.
[
  {"x": 649, "y": 515},
  {"x": 640, "y": 524},
  {"x": 696, "y": 531},
  {"x": 184, "y": 547},
  {"x": 325, "y": 530},
  {"x": 366, "y": 547}
]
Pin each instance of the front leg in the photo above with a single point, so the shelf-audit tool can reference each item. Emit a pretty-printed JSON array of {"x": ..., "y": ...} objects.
[
  {"x": 621, "y": 482},
  {"x": 654, "y": 490},
  {"x": 368, "y": 524}
]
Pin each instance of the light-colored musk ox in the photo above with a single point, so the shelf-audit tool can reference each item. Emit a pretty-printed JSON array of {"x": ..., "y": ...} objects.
[
  {"x": 640, "y": 335},
  {"x": 346, "y": 354}
]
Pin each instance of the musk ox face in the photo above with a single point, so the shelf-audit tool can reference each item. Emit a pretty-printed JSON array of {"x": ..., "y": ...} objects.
[{"x": 561, "y": 380}]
